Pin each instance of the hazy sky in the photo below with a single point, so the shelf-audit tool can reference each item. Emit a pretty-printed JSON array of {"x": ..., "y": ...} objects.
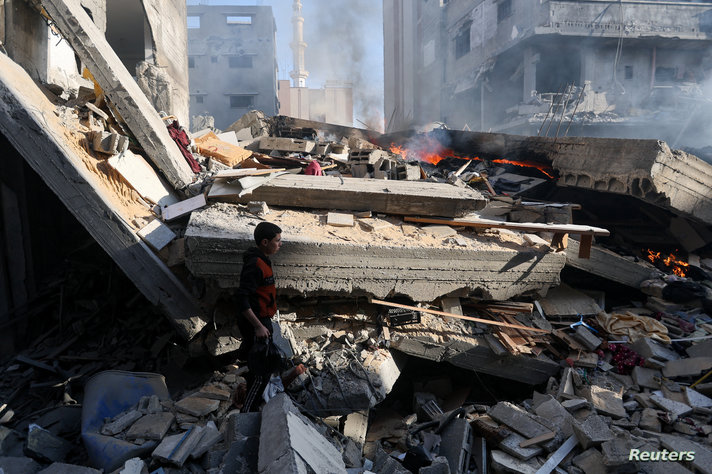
[{"x": 344, "y": 42}]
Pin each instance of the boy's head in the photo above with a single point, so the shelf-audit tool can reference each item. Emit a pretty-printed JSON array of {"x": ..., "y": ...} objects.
[{"x": 268, "y": 237}]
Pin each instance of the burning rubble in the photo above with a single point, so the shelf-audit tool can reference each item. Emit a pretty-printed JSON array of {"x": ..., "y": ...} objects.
[{"x": 436, "y": 313}]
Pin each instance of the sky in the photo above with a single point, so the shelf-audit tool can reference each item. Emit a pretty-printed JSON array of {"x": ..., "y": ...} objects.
[{"x": 344, "y": 42}]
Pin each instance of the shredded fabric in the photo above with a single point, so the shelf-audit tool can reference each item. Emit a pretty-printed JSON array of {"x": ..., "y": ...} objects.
[
  {"x": 634, "y": 326},
  {"x": 181, "y": 138}
]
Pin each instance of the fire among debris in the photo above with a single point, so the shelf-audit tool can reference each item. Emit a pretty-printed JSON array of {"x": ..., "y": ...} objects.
[
  {"x": 430, "y": 150},
  {"x": 671, "y": 262}
]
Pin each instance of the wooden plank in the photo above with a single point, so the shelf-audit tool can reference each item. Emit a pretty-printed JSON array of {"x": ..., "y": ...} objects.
[
  {"x": 183, "y": 207},
  {"x": 585, "y": 246},
  {"x": 525, "y": 226},
  {"x": 90, "y": 44},
  {"x": 356, "y": 194},
  {"x": 142, "y": 178},
  {"x": 609, "y": 265},
  {"x": 28, "y": 123},
  {"x": 456, "y": 316}
]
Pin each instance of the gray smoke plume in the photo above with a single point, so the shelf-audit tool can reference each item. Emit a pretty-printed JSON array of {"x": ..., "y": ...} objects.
[{"x": 341, "y": 39}]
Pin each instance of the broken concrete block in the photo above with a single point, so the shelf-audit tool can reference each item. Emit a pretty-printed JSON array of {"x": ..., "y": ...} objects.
[
  {"x": 687, "y": 367},
  {"x": 383, "y": 462},
  {"x": 175, "y": 449},
  {"x": 241, "y": 458},
  {"x": 197, "y": 406},
  {"x": 183, "y": 208},
  {"x": 156, "y": 234},
  {"x": 649, "y": 420},
  {"x": 154, "y": 426},
  {"x": 652, "y": 349},
  {"x": 108, "y": 142},
  {"x": 593, "y": 432},
  {"x": 702, "y": 457},
  {"x": 243, "y": 425},
  {"x": 259, "y": 208},
  {"x": 510, "y": 445},
  {"x": 647, "y": 378},
  {"x": 695, "y": 399},
  {"x": 356, "y": 426},
  {"x": 123, "y": 421},
  {"x": 557, "y": 415},
  {"x": 676, "y": 409},
  {"x": 19, "y": 465},
  {"x": 290, "y": 443},
  {"x": 214, "y": 392},
  {"x": 456, "y": 444},
  {"x": 134, "y": 466},
  {"x": 438, "y": 466},
  {"x": 605, "y": 401},
  {"x": 211, "y": 436},
  {"x": 701, "y": 349},
  {"x": 587, "y": 338},
  {"x": 61, "y": 468},
  {"x": 440, "y": 230},
  {"x": 517, "y": 419},
  {"x": 42, "y": 444},
  {"x": 340, "y": 220},
  {"x": 11, "y": 442},
  {"x": 503, "y": 462},
  {"x": 374, "y": 224},
  {"x": 352, "y": 454},
  {"x": 290, "y": 145},
  {"x": 575, "y": 404},
  {"x": 590, "y": 462}
]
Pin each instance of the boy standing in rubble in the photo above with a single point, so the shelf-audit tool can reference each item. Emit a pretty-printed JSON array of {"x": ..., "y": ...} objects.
[{"x": 257, "y": 300}]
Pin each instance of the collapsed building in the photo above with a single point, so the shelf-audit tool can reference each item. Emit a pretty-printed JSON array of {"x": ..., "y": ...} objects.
[
  {"x": 502, "y": 260},
  {"x": 553, "y": 68}
]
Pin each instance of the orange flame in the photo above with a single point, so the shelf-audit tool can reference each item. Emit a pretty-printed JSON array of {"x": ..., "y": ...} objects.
[
  {"x": 431, "y": 151},
  {"x": 677, "y": 266}
]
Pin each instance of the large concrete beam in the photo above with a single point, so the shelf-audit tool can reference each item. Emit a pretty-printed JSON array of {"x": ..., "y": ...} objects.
[
  {"x": 415, "y": 198},
  {"x": 27, "y": 119},
  {"x": 217, "y": 237},
  {"x": 646, "y": 169},
  {"x": 118, "y": 85}
]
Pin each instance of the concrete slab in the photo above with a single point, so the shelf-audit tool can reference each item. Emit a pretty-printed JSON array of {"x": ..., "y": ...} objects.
[
  {"x": 197, "y": 406},
  {"x": 701, "y": 349},
  {"x": 18, "y": 465},
  {"x": 610, "y": 265},
  {"x": 289, "y": 443},
  {"x": 352, "y": 262},
  {"x": 676, "y": 409},
  {"x": 649, "y": 420},
  {"x": 691, "y": 367},
  {"x": 503, "y": 462},
  {"x": 62, "y": 468},
  {"x": 510, "y": 445},
  {"x": 142, "y": 118},
  {"x": 647, "y": 378},
  {"x": 650, "y": 348},
  {"x": 606, "y": 402},
  {"x": 123, "y": 421},
  {"x": 44, "y": 445},
  {"x": 646, "y": 169},
  {"x": 557, "y": 415},
  {"x": 517, "y": 419},
  {"x": 593, "y": 432},
  {"x": 154, "y": 426},
  {"x": 28, "y": 121},
  {"x": 703, "y": 455},
  {"x": 590, "y": 462}
]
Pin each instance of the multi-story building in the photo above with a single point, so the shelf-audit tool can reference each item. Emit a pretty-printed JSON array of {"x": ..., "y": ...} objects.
[
  {"x": 626, "y": 68},
  {"x": 232, "y": 61}
]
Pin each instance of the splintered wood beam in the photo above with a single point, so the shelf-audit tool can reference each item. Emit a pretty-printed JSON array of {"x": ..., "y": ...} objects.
[
  {"x": 560, "y": 231},
  {"x": 457, "y": 316}
]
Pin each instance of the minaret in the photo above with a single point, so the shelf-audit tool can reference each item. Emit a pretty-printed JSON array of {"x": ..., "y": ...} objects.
[{"x": 299, "y": 73}]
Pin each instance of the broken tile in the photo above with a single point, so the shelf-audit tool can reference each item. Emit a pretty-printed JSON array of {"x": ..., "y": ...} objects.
[
  {"x": 649, "y": 420},
  {"x": 517, "y": 419},
  {"x": 197, "y": 406},
  {"x": 153, "y": 426},
  {"x": 647, "y": 378},
  {"x": 123, "y": 421},
  {"x": 695, "y": 399},
  {"x": 593, "y": 432},
  {"x": 605, "y": 401},
  {"x": 156, "y": 234},
  {"x": 510, "y": 445},
  {"x": 340, "y": 220},
  {"x": 676, "y": 409}
]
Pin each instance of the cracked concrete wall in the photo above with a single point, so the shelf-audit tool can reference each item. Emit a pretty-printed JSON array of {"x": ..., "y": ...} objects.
[{"x": 164, "y": 75}]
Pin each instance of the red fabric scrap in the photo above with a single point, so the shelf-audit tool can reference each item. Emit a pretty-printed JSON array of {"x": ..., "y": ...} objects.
[{"x": 181, "y": 138}]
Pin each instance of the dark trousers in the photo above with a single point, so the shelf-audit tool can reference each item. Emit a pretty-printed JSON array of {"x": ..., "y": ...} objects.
[{"x": 256, "y": 383}]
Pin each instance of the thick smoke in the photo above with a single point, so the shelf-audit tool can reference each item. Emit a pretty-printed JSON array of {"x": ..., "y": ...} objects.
[{"x": 341, "y": 43}]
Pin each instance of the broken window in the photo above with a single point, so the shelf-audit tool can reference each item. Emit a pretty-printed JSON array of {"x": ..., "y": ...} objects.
[
  {"x": 191, "y": 62},
  {"x": 504, "y": 9},
  {"x": 241, "y": 101},
  {"x": 462, "y": 41},
  {"x": 243, "y": 61},
  {"x": 629, "y": 72},
  {"x": 239, "y": 20},
  {"x": 193, "y": 22},
  {"x": 665, "y": 74}
]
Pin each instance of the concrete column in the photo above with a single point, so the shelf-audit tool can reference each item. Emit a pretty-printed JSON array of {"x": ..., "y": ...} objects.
[{"x": 531, "y": 58}]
